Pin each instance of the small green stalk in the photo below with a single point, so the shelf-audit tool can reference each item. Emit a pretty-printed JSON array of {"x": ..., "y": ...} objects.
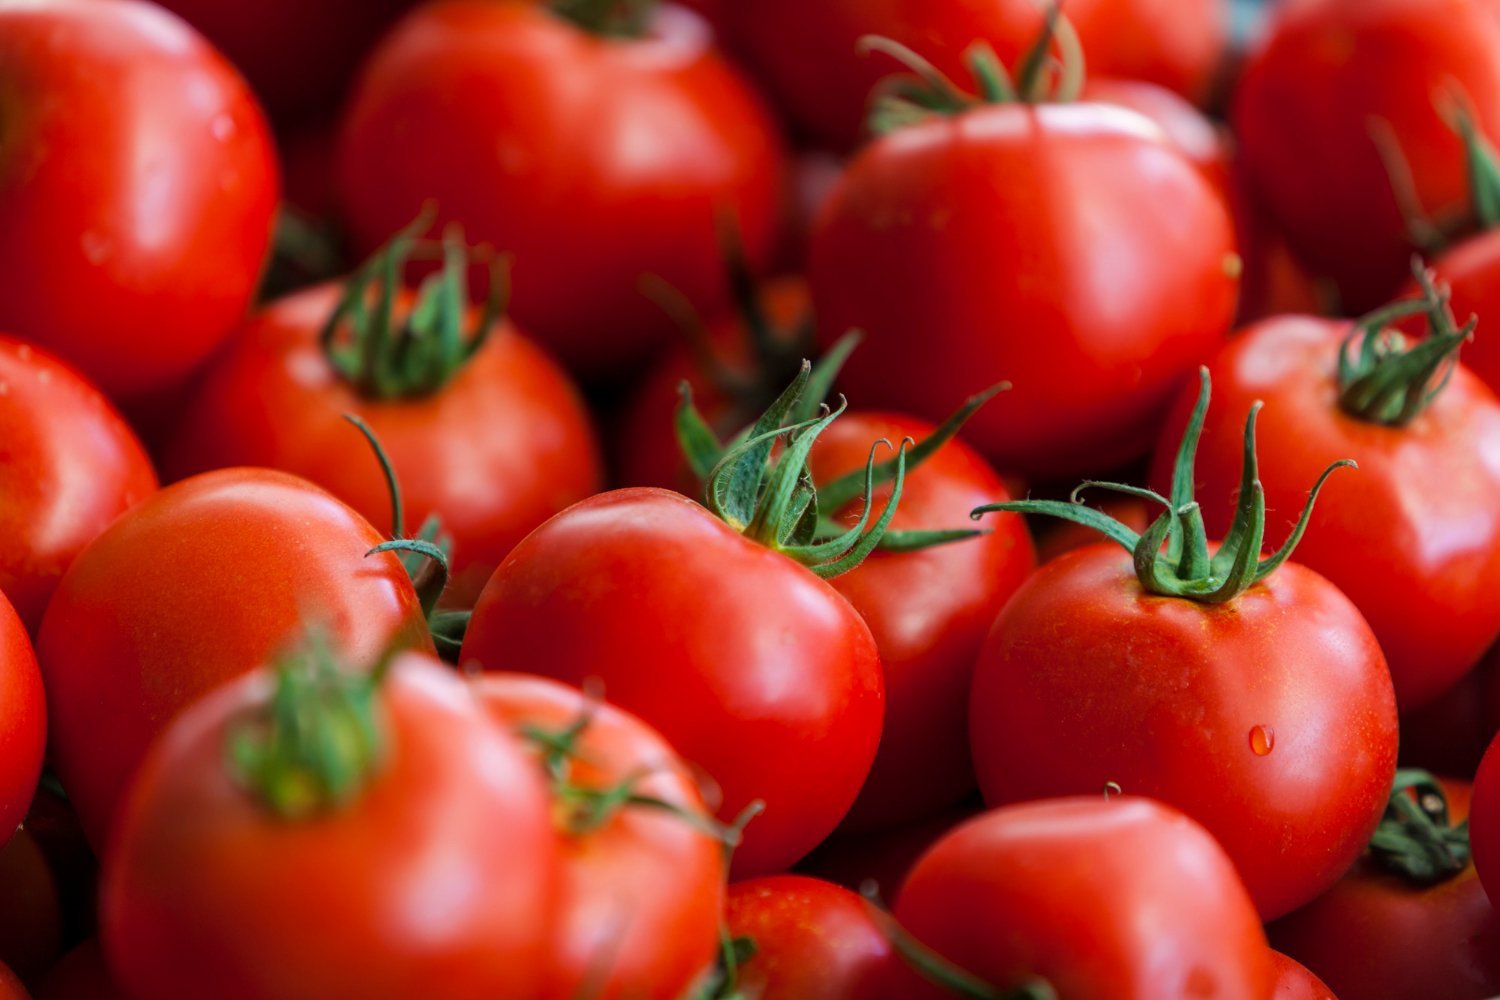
[
  {"x": 609, "y": 18},
  {"x": 1172, "y": 556},
  {"x": 1416, "y": 838}
]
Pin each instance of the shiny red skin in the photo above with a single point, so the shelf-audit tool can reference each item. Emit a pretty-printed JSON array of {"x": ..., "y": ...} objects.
[
  {"x": 80, "y": 974},
  {"x": 201, "y": 582},
  {"x": 823, "y": 83},
  {"x": 1412, "y": 537},
  {"x": 1471, "y": 270},
  {"x": 1086, "y": 679},
  {"x": 1374, "y": 937},
  {"x": 751, "y": 666},
  {"x": 437, "y": 878},
  {"x": 23, "y": 721},
  {"x": 1190, "y": 130},
  {"x": 495, "y": 452},
  {"x": 10, "y": 986},
  {"x": 928, "y": 611},
  {"x": 1295, "y": 982},
  {"x": 137, "y": 184},
  {"x": 70, "y": 466},
  {"x": 1125, "y": 900},
  {"x": 921, "y": 249},
  {"x": 1484, "y": 821},
  {"x": 640, "y": 897},
  {"x": 594, "y": 161},
  {"x": 1303, "y": 110},
  {"x": 812, "y": 939}
]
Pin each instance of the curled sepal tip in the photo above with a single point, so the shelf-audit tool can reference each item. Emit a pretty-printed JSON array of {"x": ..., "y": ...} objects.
[{"x": 1417, "y": 839}]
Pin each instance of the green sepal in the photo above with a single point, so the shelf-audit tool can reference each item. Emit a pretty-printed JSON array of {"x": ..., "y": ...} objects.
[
  {"x": 448, "y": 629},
  {"x": 607, "y": 18},
  {"x": 1416, "y": 839},
  {"x": 1480, "y": 161}
]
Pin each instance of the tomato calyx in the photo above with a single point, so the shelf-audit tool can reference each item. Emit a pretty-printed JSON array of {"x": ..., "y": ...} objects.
[
  {"x": 1385, "y": 380},
  {"x": 386, "y": 357},
  {"x": 1416, "y": 839},
  {"x": 314, "y": 745},
  {"x": 925, "y": 91},
  {"x": 1172, "y": 555},
  {"x": 723, "y": 981},
  {"x": 608, "y": 18}
]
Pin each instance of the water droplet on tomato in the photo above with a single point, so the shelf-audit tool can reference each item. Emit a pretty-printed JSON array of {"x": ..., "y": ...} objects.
[{"x": 1262, "y": 740}]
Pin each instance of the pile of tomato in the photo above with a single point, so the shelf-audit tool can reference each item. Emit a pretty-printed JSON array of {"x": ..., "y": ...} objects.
[{"x": 749, "y": 499}]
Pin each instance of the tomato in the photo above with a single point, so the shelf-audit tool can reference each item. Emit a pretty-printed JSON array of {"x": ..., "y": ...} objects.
[
  {"x": 1373, "y": 936},
  {"x": 1192, "y": 132},
  {"x": 823, "y": 83},
  {"x": 1333, "y": 80},
  {"x": 493, "y": 452},
  {"x": 198, "y": 583},
  {"x": 23, "y": 721},
  {"x": 1471, "y": 270},
  {"x": 137, "y": 186},
  {"x": 951, "y": 276},
  {"x": 432, "y": 875},
  {"x": 812, "y": 939},
  {"x": 1484, "y": 821},
  {"x": 749, "y": 664},
  {"x": 642, "y": 885},
  {"x": 1412, "y": 538},
  {"x": 81, "y": 973},
  {"x": 1121, "y": 899},
  {"x": 70, "y": 466},
  {"x": 929, "y": 612},
  {"x": 593, "y": 160},
  {"x": 1295, "y": 982}
]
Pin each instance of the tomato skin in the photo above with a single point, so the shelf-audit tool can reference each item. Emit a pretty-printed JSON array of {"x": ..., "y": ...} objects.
[
  {"x": 1412, "y": 537},
  {"x": 1303, "y": 109},
  {"x": 813, "y": 939},
  {"x": 1484, "y": 821},
  {"x": 1085, "y": 679},
  {"x": 823, "y": 83},
  {"x": 81, "y": 973},
  {"x": 1471, "y": 270},
  {"x": 645, "y": 891},
  {"x": 935, "y": 240},
  {"x": 929, "y": 612},
  {"x": 273, "y": 400},
  {"x": 70, "y": 463},
  {"x": 199, "y": 583},
  {"x": 137, "y": 187},
  {"x": 1374, "y": 937},
  {"x": 593, "y": 160},
  {"x": 1295, "y": 982},
  {"x": 719, "y": 643},
  {"x": 1115, "y": 899},
  {"x": 23, "y": 721},
  {"x": 455, "y": 822}
]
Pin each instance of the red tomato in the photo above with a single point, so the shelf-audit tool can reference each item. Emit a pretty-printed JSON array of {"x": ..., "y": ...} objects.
[
  {"x": 10, "y": 986},
  {"x": 1120, "y": 899},
  {"x": 23, "y": 721},
  {"x": 494, "y": 452},
  {"x": 812, "y": 939},
  {"x": 1484, "y": 822},
  {"x": 199, "y": 583},
  {"x": 80, "y": 974},
  {"x": 824, "y": 83},
  {"x": 1413, "y": 538},
  {"x": 137, "y": 186},
  {"x": 69, "y": 467},
  {"x": 595, "y": 160},
  {"x": 1192, "y": 132},
  {"x": 1331, "y": 76},
  {"x": 1268, "y": 719},
  {"x": 435, "y": 878},
  {"x": 951, "y": 276},
  {"x": 929, "y": 612},
  {"x": 1375, "y": 937},
  {"x": 754, "y": 668},
  {"x": 1471, "y": 270},
  {"x": 1295, "y": 982},
  {"x": 643, "y": 888}
]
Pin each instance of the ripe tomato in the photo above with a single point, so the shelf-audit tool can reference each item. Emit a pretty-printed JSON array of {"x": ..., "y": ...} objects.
[
  {"x": 823, "y": 83},
  {"x": 1294, "y": 981},
  {"x": 198, "y": 583},
  {"x": 929, "y": 612},
  {"x": 642, "y": 884},
  {"x": 1484, "y": 821},
  {"x": 137, "y": 188},
  {"x": 1332, "y": 81},
  {"x": 1471, "y": 270},
  {"x": 594, "y": 160},
  {"x": 812, "y": 939},
  {"x": 23, "y": 721},
  {"x": 70, "y": 466},
  {"x": 433, "y": 874},
  {"x": 81, "y": 973},
  {"x": 951, "y": 275},
  {"x": 495, "y": 451},
  {"x": 1122, "y": 899},
  {"x": 749, "y": 664}
]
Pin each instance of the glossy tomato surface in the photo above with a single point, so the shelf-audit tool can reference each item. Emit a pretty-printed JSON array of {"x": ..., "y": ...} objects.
[
  {"x": 1071, "y": 280},
  {"x": 593, "y": 160},
  {"x": 201, "y": 582},
  {"x": 751, "y": 666},
  {"x": 1269, "y": 719},
  {"x": 1295, "y": 982},
  {"x": 137, "y": 186},
  {"x": 23, "y": 721}
]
